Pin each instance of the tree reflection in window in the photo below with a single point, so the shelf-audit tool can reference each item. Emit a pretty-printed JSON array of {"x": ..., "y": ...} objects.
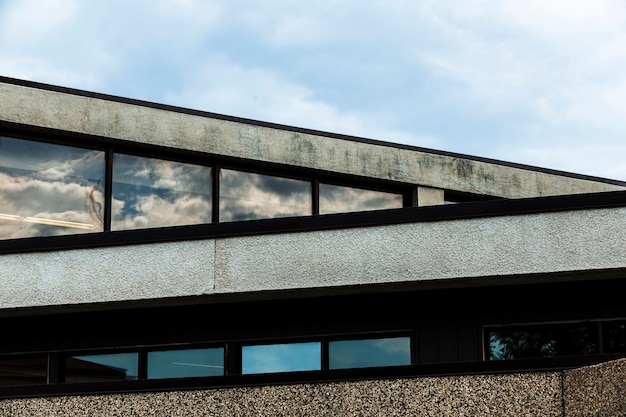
[
  {"x": 342, "y": 199},
  {"x": 49, "y": 189},
  {"x": 249, "y": 196},
  {"x": 548, "y": 340},
  {"x": 149, "y": 192},
  {"x": 614, "y": 333}
]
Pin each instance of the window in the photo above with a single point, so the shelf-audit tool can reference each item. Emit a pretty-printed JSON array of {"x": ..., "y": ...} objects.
[
  {"x": 23, "y": 370},
  {"x": 342, "y": 199},
  {"x": 101, "y": 368},
  {"x": 185, "y": 363},
  {"x": 48, "y": 189},
  {"x": 247, "y": 196},
  {"x": 286, "y": 357},
  {"x": 150, "y": 192},
  {"x": 553, "y": 339},
  {"x": 364, "y": 353}
]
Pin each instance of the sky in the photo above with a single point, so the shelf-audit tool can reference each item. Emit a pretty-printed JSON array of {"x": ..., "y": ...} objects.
[{"x": 536, "y": 82}]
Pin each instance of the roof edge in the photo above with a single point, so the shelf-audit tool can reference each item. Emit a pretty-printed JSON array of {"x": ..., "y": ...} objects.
[{"x": 271, "y": 125}]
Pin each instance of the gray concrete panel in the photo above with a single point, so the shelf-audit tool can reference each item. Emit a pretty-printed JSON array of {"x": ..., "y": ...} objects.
[
  {"x": 111, "y": 119},
  {"x": 503, "y": 247},
  {"x": 487, "y": 247},
  {"x": 113, "y": 274}
]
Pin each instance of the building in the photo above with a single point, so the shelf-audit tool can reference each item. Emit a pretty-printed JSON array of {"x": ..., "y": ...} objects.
[{"x": 158, "y": 260}]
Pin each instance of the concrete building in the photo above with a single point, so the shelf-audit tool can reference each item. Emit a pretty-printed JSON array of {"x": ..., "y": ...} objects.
[{"x": 164, "y": 261}]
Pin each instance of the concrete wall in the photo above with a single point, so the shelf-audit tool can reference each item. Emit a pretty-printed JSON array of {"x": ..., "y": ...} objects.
[
  {"x": 589, "y": 392},
  {"x": 135, "y": 123},
  {"x": 504, "y": 247}
]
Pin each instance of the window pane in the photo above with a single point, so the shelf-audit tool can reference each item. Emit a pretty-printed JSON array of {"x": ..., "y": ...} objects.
[
  {"x": 614, "y": 333},
  {"x": 287, "y": 357},
  {"x": 369, "y": 352},
  {"x": 186, "y": 363},
  {"x": 151, "y": 192},
  {"x": 248, "y": 196},
  {"x": 535, "y": 341},
  {"x": 48, "y": 189},
  {"x": 340, "y": 199},
  {"x": 23, "y": 371},
  {"x": 99, "y": 368}
]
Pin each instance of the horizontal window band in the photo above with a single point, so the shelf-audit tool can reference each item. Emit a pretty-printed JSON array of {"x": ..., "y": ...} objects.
[
  {"x": 476, "y": 209},
  {"x": 307, "y": 377}
]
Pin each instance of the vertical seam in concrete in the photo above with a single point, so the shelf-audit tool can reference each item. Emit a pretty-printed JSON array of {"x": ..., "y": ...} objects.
[
  {"x": 214, "y": 263},
  {"x": 563, "y": 410}
]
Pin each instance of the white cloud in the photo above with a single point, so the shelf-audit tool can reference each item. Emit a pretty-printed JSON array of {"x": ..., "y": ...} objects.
[{"x": 484, "y": 77}]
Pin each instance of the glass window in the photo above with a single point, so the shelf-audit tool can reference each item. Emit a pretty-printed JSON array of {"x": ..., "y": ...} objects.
[
  {"x": 150, "y": 192},
  {"x": 100, "y": 368},
  {"x": 186, "y": 363},
  {"x": 287, "y": 357},
  {"x": 364, "y": 353},
  {"x": 23, "y": 371},
  {"x": 547, "y": 340},
  {"x": 248, "y": 196},
  {"x": 48, "y": 189},
  {"x": 341, "y": 199},
  {"x": 614, "y": 333}
]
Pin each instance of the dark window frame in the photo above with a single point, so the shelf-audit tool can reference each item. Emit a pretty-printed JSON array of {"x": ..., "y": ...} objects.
[
  {"x": 601, "y": 334},
  {"x": 215, "y": 162}
]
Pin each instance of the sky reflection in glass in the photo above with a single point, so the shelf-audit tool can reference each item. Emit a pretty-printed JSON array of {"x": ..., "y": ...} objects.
[
  {"x": 186, "y": 363},
  {"x": 149, "y": 192},
  {"x": 342, "y": 199},
  {"x": 287, "y": 357},
  {"x": 106, "y": 367},
  {"x": 248, "y": 196},
  {"x": 369, "y": 352},
  {"x": 48, "y": 189}
]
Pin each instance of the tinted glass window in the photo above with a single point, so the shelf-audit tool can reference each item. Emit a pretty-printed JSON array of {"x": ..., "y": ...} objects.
[
  {"x": 534, "y": 341},
  {"x": 341, "y": 199},
  {"x": 614, "y": 333},
  {"x": 150, "y": 192},
  {"x": 369, "y": 352},
  {"x": 186, "y": 363},
  {"x": 23, "y": 371},
  {"x": 99, "y": 368},
  {"x": 48, "y": 189},
  {"x": 288, "y": 357},
  {"x": 248, "y": 196}
]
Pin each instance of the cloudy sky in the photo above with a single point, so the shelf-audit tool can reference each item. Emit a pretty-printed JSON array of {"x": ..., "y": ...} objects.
[{"x": 538, "y": 82}]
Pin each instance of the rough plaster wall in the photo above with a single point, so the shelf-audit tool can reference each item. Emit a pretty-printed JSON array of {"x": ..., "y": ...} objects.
[
  {"x": 501, "y": 246},
  {"x": 141, "y": 124},
  {"x": 504, "y": 246},
  {"x": 531, "y": 395},
  {"x": 107, "y": 274}
]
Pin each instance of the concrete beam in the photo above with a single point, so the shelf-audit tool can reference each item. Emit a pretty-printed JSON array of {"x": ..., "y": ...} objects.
[
  {"x": 182, "y": 130},
  {"x": 434, "y": 253}
]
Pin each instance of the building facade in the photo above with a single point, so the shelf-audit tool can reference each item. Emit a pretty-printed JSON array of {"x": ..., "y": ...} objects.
[{"x": 157, "y": 260}]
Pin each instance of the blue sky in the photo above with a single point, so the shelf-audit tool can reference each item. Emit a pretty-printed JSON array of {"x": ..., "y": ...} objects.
[{"x": 537, "y": 82}]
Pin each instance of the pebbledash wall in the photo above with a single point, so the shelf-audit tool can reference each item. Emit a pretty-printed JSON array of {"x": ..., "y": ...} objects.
[
  {"x": 584, "y": 392},
  {"x": 505, "y": 246}
]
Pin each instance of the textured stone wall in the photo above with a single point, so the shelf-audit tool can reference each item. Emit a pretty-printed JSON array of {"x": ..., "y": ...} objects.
[
  {"x": 595, "y": 391},
  {"x": 537, "y": 394}
]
